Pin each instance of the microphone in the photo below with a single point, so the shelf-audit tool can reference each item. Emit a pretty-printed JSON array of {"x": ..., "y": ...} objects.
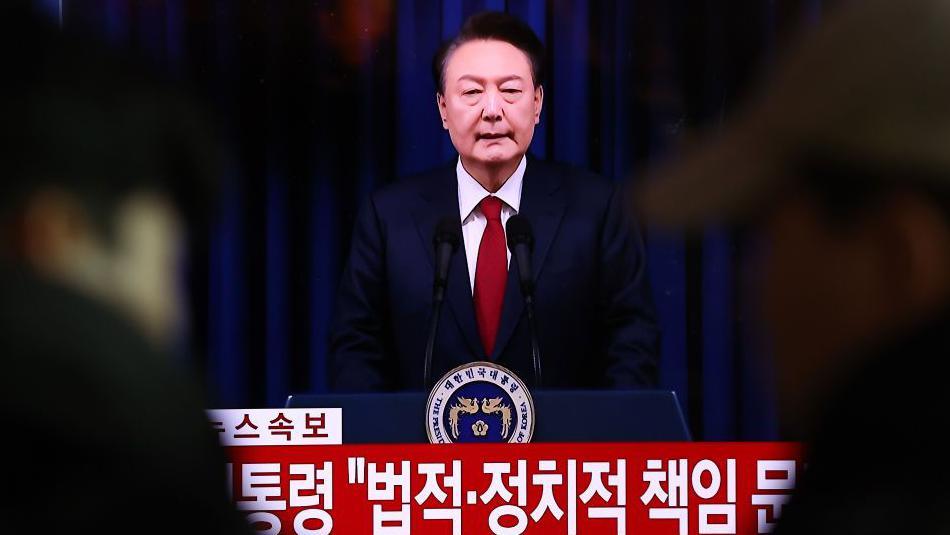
[
  {"x": 445, "y": 239},
  {"x": 521, "y": 243}
]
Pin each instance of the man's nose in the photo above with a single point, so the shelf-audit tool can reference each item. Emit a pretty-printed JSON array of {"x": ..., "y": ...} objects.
[{"x": 492, "y": 109}]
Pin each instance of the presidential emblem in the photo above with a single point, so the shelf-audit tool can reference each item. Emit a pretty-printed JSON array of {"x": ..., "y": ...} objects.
[{"x": 479, "y": 402}]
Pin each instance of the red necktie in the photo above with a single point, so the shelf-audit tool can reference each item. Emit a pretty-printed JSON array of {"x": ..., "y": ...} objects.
[{"x": 491, "y": 274}]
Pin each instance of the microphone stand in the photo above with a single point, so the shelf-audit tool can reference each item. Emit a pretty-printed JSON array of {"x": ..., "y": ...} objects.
[
  {"x": 446, "y": 241},
  {"x": 533, "y": 327},
  {"x": 438, "y": 296},
  {"x": 520, "y": 242}
]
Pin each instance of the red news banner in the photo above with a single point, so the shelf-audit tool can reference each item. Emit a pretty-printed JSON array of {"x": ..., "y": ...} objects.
[{"x": 298, "y": 482}]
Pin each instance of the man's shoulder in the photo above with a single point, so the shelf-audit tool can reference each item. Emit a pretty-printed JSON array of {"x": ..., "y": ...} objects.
[
  {"x": 580, "y": 186},
  {"x": 570, "y": 173},
  {"x": 412, "y": 188}
]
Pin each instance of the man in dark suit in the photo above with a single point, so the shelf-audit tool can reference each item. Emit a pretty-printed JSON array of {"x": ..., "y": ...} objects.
[{"x": 595, "y": 316}]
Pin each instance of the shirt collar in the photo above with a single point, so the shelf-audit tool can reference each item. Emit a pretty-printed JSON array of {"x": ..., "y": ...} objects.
[{"x": 471, "y": 192}]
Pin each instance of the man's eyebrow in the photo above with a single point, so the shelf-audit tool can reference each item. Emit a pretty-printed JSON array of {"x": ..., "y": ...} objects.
[{"x": 479, "y": 79}]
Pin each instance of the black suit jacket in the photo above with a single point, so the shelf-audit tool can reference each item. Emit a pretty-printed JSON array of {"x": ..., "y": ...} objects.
[
  {"x": 875, "y": 465},
  {"x": 106, "y": 435},
  {"x": 596, "y": 322}
]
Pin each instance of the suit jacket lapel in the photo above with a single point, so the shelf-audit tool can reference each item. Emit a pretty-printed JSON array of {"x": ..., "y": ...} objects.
[
  {"x": 441, "y": 199},
  {"x": 543, "y": 205}
]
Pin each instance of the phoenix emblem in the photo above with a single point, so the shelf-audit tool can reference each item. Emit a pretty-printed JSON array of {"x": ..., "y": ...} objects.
[{"x": 488, "y": 406}]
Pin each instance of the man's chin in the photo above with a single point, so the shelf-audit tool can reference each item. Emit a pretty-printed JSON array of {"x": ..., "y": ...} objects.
[{"x": 498, "y": 156}]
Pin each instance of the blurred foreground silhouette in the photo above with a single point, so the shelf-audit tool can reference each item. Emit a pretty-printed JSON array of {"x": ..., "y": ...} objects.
[{"x": 100, "y": 165}]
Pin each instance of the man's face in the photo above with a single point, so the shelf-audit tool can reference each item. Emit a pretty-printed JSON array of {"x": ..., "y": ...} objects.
[
  {"x": 490, "y": 105},
  {"x": 820, "y": 288}
]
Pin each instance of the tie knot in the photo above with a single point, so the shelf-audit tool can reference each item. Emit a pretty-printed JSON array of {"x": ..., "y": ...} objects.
[{"x": 491, "y": 208}]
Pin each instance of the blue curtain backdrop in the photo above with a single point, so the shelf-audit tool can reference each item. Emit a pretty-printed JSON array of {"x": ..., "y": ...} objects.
[{"x": 324, "y": 101}]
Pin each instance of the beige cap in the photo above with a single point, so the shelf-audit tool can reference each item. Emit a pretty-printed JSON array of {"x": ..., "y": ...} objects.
[{"x": 870, "y": 84}]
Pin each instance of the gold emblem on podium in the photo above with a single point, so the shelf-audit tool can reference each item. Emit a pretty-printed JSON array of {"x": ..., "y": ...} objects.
[{"x": 480, "y": 402}]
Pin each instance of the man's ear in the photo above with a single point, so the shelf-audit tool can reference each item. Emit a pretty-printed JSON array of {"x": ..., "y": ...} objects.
[
  {"x": 49, "y": 225},
  {"x": 440, "y": 103},
  {"x": 915, "y": 248},
  {"x": 538, "y": 103},
  {"x": 58, "y": 239}
]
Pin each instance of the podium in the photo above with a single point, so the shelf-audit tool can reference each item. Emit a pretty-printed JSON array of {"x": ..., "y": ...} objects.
[
  {"x": 560, "y": 416},
  {"x": 586, "y": 470}
]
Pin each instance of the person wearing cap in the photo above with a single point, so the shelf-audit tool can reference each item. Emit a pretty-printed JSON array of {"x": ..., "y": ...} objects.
[
  {"x": 595, "y": 317},
  {"x": 841, "y": 172}
]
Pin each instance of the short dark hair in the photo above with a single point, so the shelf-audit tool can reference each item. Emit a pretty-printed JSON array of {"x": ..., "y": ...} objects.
[
  {"x": 496, "y": 26},
  {"x": 98, "y": 124}
]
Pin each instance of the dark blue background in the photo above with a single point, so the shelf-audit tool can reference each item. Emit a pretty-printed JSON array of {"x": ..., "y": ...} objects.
[{"x": 325, "y": 101}]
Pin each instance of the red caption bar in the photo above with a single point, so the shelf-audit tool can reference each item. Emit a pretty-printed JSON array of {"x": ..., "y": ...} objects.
[{"x": 647, "y": 489}]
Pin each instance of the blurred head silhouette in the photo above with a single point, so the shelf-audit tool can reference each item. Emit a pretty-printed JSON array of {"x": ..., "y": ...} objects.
[
  {"x": 99, "y": 163},
  {"x": 840, "y": 172},
  {"x": 841, "y": 168}
]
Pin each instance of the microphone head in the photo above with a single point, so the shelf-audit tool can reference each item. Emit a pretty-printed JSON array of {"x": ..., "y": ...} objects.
[
  {"x": 448, "y": 230},
  {"x": 518, "y": 231}
]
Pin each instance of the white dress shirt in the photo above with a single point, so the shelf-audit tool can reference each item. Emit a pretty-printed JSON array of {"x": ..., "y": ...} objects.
[{"x": 471, "y": 194}]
